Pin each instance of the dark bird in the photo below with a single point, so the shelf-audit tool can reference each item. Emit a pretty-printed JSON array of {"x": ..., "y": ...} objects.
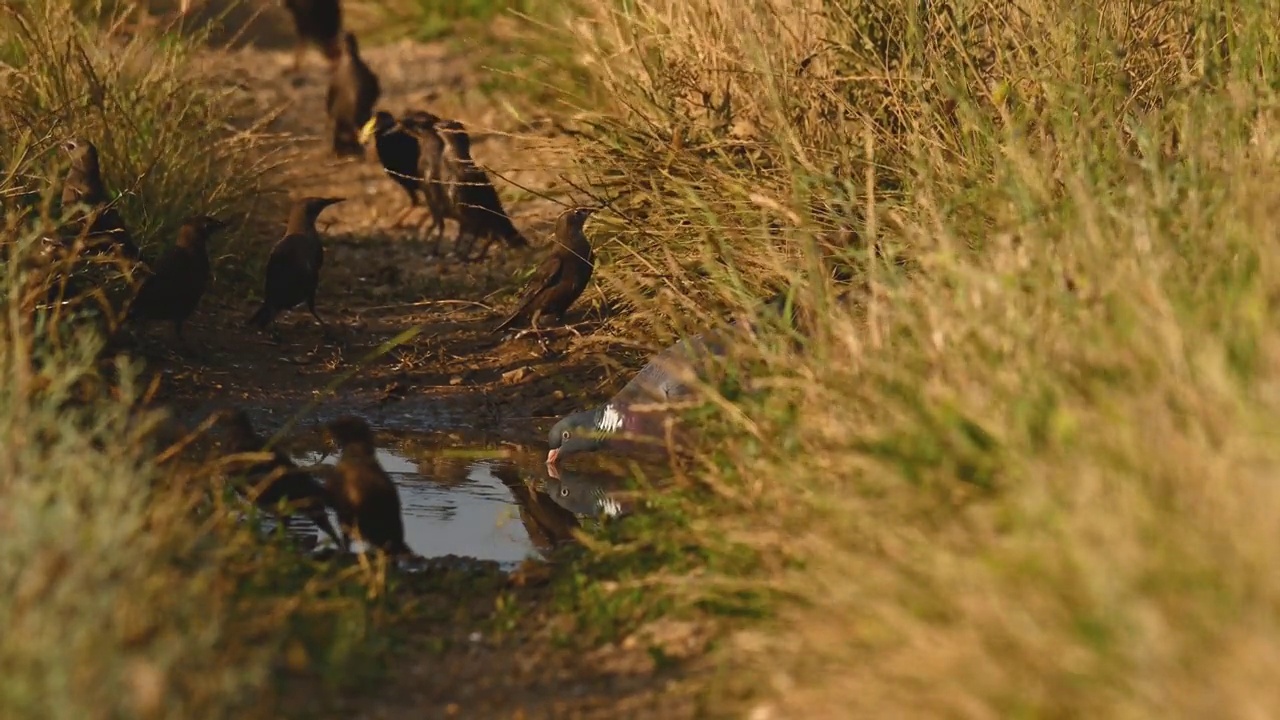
[
  {"x": 399, "y": 151},
  {"x": 99, "y": 222},
  {"x": 179, "y": 277},
  {"x": 638, "y": 414},
  {"x": 562, "y": 276},
  {"x": 432, "y": 169},
  {"x": 365, "y": 498},
  {"x": 472, "y": 195},
  {"x": 353, "y": 92},
  {"x": 293, "y": 269},
  {"x": 278, "y": 480},
  {"x": 318, "y": 22}
]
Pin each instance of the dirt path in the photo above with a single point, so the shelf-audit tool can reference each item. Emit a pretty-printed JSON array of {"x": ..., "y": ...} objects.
[{"x": 376, "y": 283}]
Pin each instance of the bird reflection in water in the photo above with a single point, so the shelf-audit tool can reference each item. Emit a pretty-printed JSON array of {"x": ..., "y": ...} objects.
[{"x": 585, "y": 494}]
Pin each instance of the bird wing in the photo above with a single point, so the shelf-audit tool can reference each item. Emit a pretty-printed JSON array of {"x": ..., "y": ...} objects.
[
  {"x": 547, "y": 275},
  {"x": 671, "y": 373},
  {"x": 289, "y": 265},
  {"x": 162, "y": 282},
  {"x": 478, "y": 193}
]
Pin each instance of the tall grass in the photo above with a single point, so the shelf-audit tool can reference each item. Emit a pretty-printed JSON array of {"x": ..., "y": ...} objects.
[
  {"x": 1027, "y": 470},
  {"x": 164, "y": 137},
  {"x": 129, "y": 590}
]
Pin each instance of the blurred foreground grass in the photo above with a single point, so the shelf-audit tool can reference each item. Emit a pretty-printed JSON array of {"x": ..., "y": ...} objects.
[
  {"x": 1027, "y": 470},
  {"x": 129, "y": 589}
]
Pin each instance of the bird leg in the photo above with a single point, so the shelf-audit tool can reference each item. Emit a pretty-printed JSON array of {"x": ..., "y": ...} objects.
[
  {"x": 437, "y": 229},
  {"x": 484, "y": 249},
  {"x": 426, "y": 233},
  {"x": 324, "y": 327},
  {"x": 186, "y": 348}
]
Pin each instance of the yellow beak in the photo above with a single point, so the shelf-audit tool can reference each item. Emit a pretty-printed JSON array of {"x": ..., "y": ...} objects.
[{"x": 366, "y": 132}]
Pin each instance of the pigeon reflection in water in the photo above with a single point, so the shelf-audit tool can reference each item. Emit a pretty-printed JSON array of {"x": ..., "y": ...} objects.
[
  {"x": 549, "y": 525},
  {"x": 583, "y": 494}
]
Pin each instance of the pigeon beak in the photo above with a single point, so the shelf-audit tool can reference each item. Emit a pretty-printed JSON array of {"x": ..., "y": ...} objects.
[
  {"x": 366, "y": 131},
  {"x": 551, "y": 458},
  {"x": 552, "y": 471}
]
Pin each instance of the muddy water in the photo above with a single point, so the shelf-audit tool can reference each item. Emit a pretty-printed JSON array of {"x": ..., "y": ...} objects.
[{"x": 480, "y": 500}]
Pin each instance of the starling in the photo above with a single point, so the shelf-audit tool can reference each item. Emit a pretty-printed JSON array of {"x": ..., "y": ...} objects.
[
  {"x": 278, "y": 479},
  {"x": 101, "y": 224},
  {"x": 319, "y": 22},
  {"x": 353, "y": 92},
  {"x": 173, "y": 289},
  {"x": 293, "y": 269},
  {"x": 562, "y": 276},
  {"x": 361, "y": 492},
  {"x": 473, "y": 197},
  {"x": 431, "y": 168},
  {"x": 398, "y": 151}
]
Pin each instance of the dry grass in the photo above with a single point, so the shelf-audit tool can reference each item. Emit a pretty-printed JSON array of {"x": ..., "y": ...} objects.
[
  {"x": 1028, "y": 471},
  {"x": 130, "y": 590}
]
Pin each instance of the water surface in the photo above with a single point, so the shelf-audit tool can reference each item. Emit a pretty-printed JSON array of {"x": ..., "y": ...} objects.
[{"x": 488, "y": 502}]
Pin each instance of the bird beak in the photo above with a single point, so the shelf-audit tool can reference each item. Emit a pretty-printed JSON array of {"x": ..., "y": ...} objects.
[
  {"x": 552, "y": 471},
  {"x": 551, "y": 458},
  {"x": 366, "y": 132}
]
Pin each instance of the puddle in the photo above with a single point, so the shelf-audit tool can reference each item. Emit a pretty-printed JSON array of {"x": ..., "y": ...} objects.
[{"x": 492, "y": 503}]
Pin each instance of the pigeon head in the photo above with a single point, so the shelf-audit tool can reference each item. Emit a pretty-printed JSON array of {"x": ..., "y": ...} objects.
[
  {"x": 381, "y": 122},
  {"x": 584, "y": 431}
]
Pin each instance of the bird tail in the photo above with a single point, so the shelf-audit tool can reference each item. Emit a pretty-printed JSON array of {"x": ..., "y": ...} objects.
[
  {"x": 398, "y": 548},
  {"x": 261, "y": 317},
  {"x": 511, "y": 319},
  {"x": 513, "y": 237},
  {"x": 320, "y": 519},
  {"x": 506, "y": 229}
]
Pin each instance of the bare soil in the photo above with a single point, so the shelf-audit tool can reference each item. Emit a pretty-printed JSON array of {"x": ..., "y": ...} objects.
[{"x": 378, "y": 281}]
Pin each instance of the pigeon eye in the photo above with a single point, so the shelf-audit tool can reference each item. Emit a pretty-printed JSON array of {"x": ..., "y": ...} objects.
[
  {"x": 564, "y": 435},
  {"x": 564, "y": 492}
]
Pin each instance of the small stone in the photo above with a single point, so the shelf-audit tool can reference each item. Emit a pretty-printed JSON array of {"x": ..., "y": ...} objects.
[
  {"x": 511, "y": 377},
  {"x": 455, "y": 380},
  {"x": 475, "y": 637}
]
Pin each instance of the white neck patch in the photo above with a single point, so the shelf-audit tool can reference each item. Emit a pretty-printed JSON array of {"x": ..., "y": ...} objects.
[
  {"x": 610, "y": 420},
  {"x": 610, "y": 507}
]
